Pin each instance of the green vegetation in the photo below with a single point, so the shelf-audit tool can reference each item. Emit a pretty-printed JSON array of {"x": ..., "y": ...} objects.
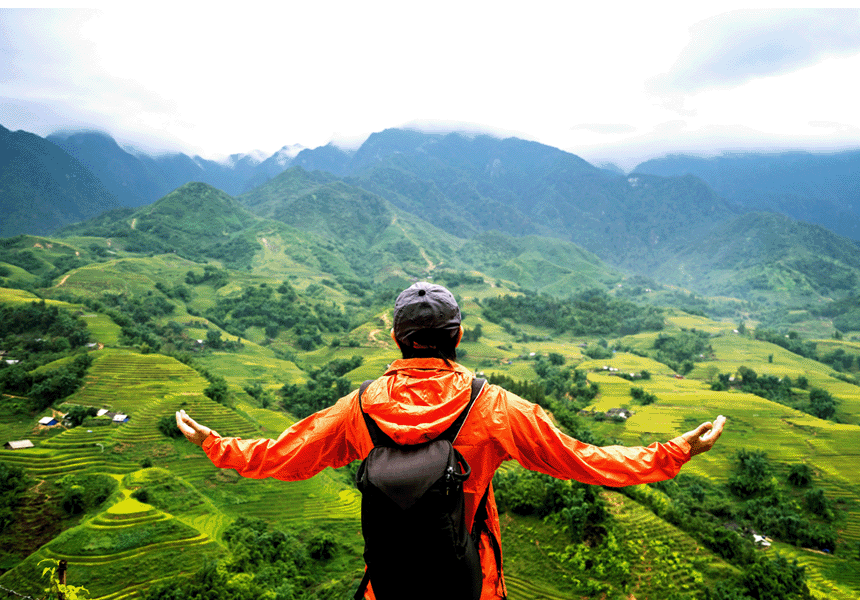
[
  {"x": 251, "y": 324},
  {"x": 13, "y": 484},
  {"x": 681, "y": 350},
  {"x": 592, "y": 312},
  {"x": 796, "y": 394},
  {"x": 43, "y": 349},
  {"x": 325, "y": 386}
]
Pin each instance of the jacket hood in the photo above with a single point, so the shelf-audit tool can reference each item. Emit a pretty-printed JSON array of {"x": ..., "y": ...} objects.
[{"x": 418, "y": 399}]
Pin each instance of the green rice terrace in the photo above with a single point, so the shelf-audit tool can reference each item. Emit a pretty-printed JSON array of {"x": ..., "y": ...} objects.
[{"x": 136, "y": 511}]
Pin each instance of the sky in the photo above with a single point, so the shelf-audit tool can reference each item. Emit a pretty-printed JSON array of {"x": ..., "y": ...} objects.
[{"x": 617, "y": 83}]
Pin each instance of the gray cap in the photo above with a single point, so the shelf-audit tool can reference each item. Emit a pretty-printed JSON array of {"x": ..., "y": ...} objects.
[{"x": 425, "y": 306}]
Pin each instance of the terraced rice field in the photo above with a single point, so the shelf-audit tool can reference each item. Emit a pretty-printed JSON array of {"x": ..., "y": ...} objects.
[
  {"x": 653, "y": 536},
  {"x": 116, "y": 553},
  {"x": 828, "y": 576},
  {"x": 524, "y": 589},
  {"x": 120, "y": 551}
]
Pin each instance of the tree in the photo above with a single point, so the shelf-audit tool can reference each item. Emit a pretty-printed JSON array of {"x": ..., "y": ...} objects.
[
  {"x": 776, "y": 579},
  {"x": 13, "y": 485},
  {"x": 817, "y": 502},
  {"x": 167, "y": 426},
  {"x": 800, "y": 475},
  {"x": 753, "y": 474},
  {"x": 218, "y": 390},
  {"x": 821, "y": 404},
  {"x": 59, "y": 384},
  {"x": 77, "y": 414},
  {"x": 213, "y": 339},
  {"x": 74, "y": 501}
]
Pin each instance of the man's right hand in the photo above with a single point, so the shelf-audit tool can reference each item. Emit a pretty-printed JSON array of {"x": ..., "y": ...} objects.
[{"x": 193, "y": 431}]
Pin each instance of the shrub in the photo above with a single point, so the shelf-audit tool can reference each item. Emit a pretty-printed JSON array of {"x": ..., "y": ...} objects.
[
  {"x": 167, "y": 426},
  {"x": 800, "y": 475},
  {"x": 753, "y": 474}
]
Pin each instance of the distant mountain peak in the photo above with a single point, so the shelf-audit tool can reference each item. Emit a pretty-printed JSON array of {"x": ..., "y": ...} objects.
[{"x": 286, "y": 154}]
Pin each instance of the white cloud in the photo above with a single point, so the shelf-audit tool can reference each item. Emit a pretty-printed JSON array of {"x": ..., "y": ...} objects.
[
  {"x": 216, "y": 82},
  {"x": 733, "y": 48}
]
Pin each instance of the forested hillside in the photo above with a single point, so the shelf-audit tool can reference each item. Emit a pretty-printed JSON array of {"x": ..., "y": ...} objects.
[
  {"x": 818, "y": 188},
  {"x": 44, "y": 188}
]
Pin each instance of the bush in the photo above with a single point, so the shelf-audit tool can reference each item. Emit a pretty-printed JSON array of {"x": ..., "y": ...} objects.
[
  {"x": 322, "y": 546},
  {"x": 775, "y": 579},
  {"x": 82, "y": 492},
  {"x": 753, "y": 474},
  {"x": 168, "y": 427},
  {"x": 800, "y": 475},
  {"x": 13, "y": 485},
  {"x": 821, "y": 404},
  {"x": 74, "y": 501},
  {"x": 218, "y": 390},
  {"x": 76, "y": 414}
]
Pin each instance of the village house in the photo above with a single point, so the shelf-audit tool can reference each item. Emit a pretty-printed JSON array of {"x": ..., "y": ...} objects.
[{"x": 18, "y": 445}]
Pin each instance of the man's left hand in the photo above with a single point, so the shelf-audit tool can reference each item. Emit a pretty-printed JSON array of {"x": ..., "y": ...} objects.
[
  {"x": 193, "y": 431},
  {"x": 703, "y": 437}
]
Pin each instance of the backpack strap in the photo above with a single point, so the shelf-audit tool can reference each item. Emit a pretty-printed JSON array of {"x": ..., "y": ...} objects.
[
  {"x": 453, "y": 431},
  {"x": 479, "y": 525},
  {"x": 380, "y": 438},
  {"x": 377, "y": 436}
]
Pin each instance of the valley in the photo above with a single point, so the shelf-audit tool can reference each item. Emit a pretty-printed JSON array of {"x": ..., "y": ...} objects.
[{"x": 630, "y": 310}]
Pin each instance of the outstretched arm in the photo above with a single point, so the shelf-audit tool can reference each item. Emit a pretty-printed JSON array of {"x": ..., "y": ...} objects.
[
  {"x": 703, "y": 437},
  {"x": 193, "y": 431},
  {"x": 531, "y": 439},
  {"x": 324, "y": 439}
]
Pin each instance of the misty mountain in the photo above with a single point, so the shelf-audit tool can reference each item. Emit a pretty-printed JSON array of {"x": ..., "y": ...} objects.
[
  {"x": 420, "y": 198},
  {"x": 137, "y": 179},
  {"x": 42, "y": 187},
  {"x": 465, "y": 185},
  {"x": 817, "y": 188}
]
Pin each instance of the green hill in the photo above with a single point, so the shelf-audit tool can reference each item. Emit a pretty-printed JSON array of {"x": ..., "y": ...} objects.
[
  {"x": 769, "y": 257},
  {"x": 43, "y": 187}
]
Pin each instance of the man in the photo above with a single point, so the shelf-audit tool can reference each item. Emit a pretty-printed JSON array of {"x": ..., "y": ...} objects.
[{"x": 418, "y": 398}]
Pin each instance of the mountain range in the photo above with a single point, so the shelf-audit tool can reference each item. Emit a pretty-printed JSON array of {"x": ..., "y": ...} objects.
[{"x": 424, "y": 199}]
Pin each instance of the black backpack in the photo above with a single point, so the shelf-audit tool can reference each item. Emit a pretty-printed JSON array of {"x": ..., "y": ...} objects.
[{"x": 416, "y": 544}]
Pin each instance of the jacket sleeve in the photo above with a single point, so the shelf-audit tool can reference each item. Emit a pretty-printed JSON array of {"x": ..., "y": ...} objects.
[
  {"x": 538, "y": 445},
  {"x": 324, "y": 439}
]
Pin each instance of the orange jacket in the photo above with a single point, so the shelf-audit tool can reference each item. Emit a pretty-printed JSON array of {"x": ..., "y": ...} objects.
[{"x": 415, "y": 401}]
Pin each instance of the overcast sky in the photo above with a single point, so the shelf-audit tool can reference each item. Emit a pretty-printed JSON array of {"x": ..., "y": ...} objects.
[{"x": 618, "y": 82}]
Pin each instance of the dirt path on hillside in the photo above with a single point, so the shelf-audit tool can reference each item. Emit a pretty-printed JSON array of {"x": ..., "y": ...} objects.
[
  {"x": 384, "y": 332},
  {"x": 430, "y": 264}
]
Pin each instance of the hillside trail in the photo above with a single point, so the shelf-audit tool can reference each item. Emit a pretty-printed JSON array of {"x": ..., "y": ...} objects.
[
  {"x": 430, "y": 264},
  {"x": 375, "y": 332}
]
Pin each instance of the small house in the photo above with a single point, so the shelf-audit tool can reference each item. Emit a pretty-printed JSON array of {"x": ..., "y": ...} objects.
[
  {"x": 18, "y": 445},
  {"x": 618, "y": 413},
  {"x": 102, "y": 412},
  {"x": 120, "y": 418},
  {"x": 47, "y": 421}
]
